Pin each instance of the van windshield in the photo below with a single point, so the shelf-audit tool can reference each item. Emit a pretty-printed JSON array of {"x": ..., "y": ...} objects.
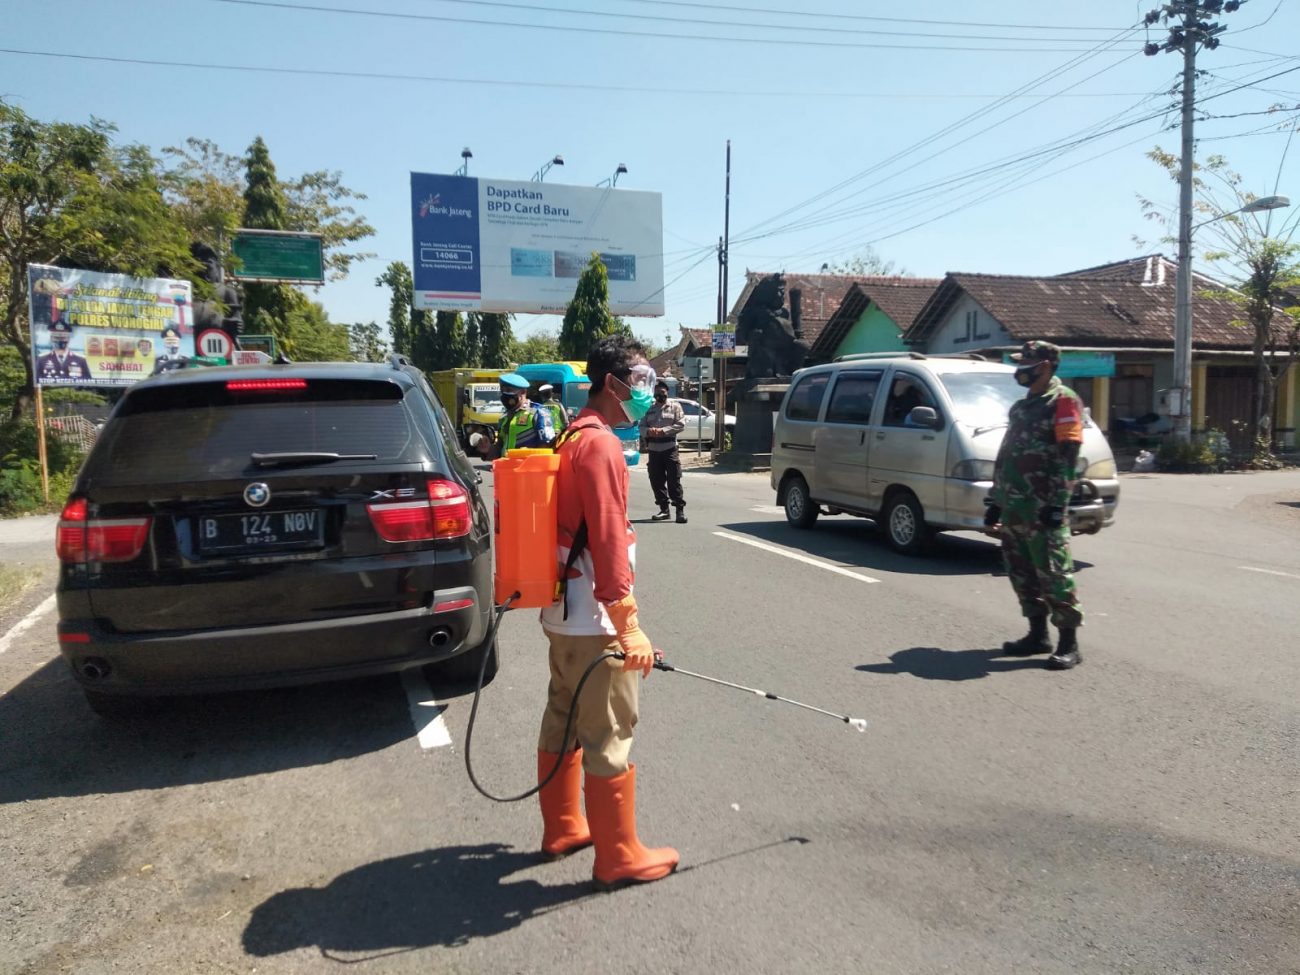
[{"x": 982, "y": 399}]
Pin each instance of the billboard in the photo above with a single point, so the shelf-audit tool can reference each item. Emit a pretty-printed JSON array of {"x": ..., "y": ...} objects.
[
  {"x": 92, "y": 329},
  {"x": 508, "y": 246}
]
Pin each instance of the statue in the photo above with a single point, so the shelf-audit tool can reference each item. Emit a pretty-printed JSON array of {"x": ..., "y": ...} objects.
[
  {"x": 209, "y": 313},
  {"x": 765, "y": 326}
]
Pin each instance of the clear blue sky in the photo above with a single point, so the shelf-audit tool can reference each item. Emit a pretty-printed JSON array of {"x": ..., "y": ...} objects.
[{"x": 821, "y": 105}]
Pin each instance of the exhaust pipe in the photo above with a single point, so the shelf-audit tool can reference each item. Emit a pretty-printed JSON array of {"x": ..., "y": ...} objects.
[
  {"x": 95, "y": 668},
  {"x": 440, "y": 637}
]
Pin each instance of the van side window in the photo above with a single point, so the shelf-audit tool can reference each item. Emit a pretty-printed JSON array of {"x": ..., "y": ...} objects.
[
  {"x": 906, "y": 393},
  {"x": 806, "y": 398},
  {"x": 853, "y": 397}
]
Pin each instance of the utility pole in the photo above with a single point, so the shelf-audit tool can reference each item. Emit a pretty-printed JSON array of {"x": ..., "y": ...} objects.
[
  {"x": 720, "y": 422},
  {"x": 1188, "y": 36}
]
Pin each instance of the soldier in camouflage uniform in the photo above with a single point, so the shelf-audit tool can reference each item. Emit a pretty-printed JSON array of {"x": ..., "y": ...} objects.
[{"x": 1032, "y": 481}]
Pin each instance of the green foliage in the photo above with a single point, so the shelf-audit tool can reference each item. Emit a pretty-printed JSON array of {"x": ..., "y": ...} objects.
[
  {"x": 1207, "y": 453},
  {"x": 588, "y": 319},
  {"x": 311, "y": 337},
  {"x": 264, "y": 202},
  {"x": 69, "y": 196},
  {"x": 867, "y": 263},
  {"x": 397, "y": 278},
  {"x": 450, "y": 349},
  {"x": 319, "y": 203},
  {"x": 367, "y": 342},
  {"x": 20, "y": 472},
  {"x": 539, "y": 347},
  {"x": 473, "y": 341},
  {"x": 496, "y": 341}
]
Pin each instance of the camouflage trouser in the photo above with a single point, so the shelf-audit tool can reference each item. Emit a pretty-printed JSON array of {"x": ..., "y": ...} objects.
[{"x": 1041, "y": 569}]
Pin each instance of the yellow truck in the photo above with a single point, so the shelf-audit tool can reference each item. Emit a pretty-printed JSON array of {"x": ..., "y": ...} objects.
[{"x": 472, "y": 399}]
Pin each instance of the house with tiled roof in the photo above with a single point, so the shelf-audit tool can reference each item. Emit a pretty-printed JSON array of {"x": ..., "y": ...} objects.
[
  {"x": 872, "y": 316},
  {"x": 1116, "y": 325}
]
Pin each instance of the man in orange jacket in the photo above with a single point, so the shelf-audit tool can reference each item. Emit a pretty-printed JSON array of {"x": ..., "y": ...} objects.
[{"x": 598, "y": 615}]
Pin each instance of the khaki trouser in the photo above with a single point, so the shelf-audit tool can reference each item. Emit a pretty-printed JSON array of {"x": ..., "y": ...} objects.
[{"x": 606, "y": 711}]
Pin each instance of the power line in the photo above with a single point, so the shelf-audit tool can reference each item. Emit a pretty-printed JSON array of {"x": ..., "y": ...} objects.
[
  {"x": 861, "y": 17},
  {"x": 658, "y": 35},
  {"x": 500, "y": 83},
  {"x": 731, "y": 24}
]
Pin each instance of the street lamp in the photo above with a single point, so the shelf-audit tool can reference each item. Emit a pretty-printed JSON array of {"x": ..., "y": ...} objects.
[
  {"x": 541, "y": 173},
  {"x": 1181, "y": 407},
  {"x": 613, "y": 180},
  {"x": 465, "y": 155}
]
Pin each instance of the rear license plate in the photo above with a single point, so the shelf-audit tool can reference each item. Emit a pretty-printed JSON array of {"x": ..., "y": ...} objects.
[{"x": 260, "y": 531}]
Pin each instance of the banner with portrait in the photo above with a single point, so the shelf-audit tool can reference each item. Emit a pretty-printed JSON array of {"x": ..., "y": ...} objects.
[{"x": 93, "y": 329}]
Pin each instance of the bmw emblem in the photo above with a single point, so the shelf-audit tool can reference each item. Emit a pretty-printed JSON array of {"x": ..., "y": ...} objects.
[{"x": 256, "y": 495}]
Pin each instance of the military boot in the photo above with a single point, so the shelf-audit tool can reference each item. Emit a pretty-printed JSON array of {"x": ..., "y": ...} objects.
[
  {"x": 1067, "y": 650},
  {"x": 1035, "y": 641},
  {"x": 662, "y": 514}
]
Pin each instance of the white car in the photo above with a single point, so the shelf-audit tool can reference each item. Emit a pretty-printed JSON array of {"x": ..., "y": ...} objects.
[{"x": 699, "y": 422}]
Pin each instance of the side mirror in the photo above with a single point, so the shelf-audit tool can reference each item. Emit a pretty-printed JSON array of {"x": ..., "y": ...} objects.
[{"x": 923, "y": 416}]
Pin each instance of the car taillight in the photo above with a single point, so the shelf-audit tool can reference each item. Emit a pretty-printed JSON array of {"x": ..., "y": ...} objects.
[
  {"x": 451, "y": 512},
  {"x": 446, "y": 514},
  {"x": 70, "y": 535},
  {"x": 82, "y": 539}
]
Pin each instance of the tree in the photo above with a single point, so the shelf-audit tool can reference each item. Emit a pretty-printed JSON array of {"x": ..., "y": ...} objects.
[
  {"x": 367, "y": 343},
  {"x": 473, "y": 341},
  {"x": 1262, "y": 260},
  {"x": 539, "y": 347},
  {"x": 69, "y": 196},
  {"x": 450, "y": 350},
  {"x": 867, "y": 263},
  {"x": 496, "y": 342},
  {"x": 588, "y": 319},
  {"x": 397, "y": 278},
  {"x": 266, "y": 306}
]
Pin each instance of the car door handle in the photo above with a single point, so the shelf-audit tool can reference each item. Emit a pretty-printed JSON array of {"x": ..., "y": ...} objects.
[{"x": 862, "y": 438}]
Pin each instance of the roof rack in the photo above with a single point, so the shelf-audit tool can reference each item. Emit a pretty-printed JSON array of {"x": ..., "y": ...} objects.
[
  {"x": 973, "y": 356},
  {"x": 397, "y": 360},
  {"x": 860, "y": 356}
]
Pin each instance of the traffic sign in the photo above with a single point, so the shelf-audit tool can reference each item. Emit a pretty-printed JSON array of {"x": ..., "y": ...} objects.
[
  {"x": 215, "y": 342},
  {"x": 249, "y": 357},
  {"x": 279, "y": 255}
]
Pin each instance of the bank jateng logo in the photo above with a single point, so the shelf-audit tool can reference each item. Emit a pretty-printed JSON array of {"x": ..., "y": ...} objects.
[{"x": 432, "y": 205}]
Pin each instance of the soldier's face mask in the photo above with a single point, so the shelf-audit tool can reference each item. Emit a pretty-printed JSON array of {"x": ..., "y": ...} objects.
[
  {"x": 1028, "y": 375},
  {"x": 60, "y": 342}
]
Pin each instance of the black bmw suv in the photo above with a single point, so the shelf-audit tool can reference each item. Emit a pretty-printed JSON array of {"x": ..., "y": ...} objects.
[{"x": 250, "y": 527}]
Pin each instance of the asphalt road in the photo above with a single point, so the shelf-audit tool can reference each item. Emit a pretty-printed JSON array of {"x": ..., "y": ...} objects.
[{"x": 1137, "y": 814}]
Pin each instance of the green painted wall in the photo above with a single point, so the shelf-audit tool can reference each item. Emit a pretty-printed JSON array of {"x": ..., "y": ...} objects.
[{"x": 873, "y": 332}]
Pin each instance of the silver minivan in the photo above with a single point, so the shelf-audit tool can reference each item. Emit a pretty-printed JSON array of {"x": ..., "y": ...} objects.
[{"x": 910, "y": 441}]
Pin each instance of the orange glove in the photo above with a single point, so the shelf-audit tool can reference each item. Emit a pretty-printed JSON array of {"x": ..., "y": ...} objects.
[{"x": 638, "y": 654}]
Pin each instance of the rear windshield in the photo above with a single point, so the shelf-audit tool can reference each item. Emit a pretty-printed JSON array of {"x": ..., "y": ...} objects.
[{"x": 203, "y": 430}]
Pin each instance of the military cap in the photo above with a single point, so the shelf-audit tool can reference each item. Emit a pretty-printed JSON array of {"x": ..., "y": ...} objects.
[
  {"x": 1032, "y": 353},
  {"x": 62, "y": 327}
]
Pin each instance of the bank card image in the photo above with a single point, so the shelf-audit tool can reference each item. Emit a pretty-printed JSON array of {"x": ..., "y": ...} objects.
[{"x": 528, "y": 263}]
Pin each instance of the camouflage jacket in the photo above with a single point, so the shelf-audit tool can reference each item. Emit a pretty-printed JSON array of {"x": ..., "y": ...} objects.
[{"x": 1035, "y": 465}]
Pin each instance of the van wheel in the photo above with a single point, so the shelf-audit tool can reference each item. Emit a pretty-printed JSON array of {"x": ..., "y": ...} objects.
[
  {"x": 904, "y": 524},
  {"x": 463, "y": 668},
  {"x": 800, "y": 510}
]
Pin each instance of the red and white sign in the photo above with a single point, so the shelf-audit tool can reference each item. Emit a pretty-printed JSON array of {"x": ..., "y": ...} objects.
[
  {"x": 216, "y": 343},
  {"x": 249, "y": 357}
]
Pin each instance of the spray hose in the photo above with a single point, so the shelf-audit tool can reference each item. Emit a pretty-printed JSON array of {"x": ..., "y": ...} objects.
[{"x": 858, "y": 724}]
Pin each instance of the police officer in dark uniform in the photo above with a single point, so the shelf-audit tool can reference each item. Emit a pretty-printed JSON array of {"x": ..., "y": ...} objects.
[
  {"x": 1028, "y": 508},
  {"x": 61, "y": 364}
]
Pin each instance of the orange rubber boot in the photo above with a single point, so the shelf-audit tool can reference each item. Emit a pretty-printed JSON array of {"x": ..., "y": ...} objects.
[
  {"x": 620, "y": 857},
  {"x": 564, "y": 827}
]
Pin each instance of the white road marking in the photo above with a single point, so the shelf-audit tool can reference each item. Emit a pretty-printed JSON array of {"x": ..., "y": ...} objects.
[
  {"x": 25, "y": 624},
  {"x": 768, "y": 509},
  {"x": 430, "y": 729},
  {"x": 807, "y": 560},
  {"x": 1269, "y": 572}
]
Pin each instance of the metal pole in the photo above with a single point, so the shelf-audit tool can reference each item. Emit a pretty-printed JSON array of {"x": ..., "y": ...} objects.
[
  {"x": 1182, "y": 408},
  {"x": 41, "y": 451},
  {"x": 720, "y": 422}
]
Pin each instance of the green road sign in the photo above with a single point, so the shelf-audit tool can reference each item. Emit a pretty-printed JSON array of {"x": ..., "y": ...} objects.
[{"x": 281, "y": 256}]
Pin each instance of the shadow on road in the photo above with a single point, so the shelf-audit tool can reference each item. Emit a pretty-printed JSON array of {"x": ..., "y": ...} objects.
[
  {"x": 52, "y": 744},
  {"x": 932, "y": 663},
  {"x": 447, "y": 896}
]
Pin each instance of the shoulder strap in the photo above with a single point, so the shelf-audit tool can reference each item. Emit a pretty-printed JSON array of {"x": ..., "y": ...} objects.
[{"x": 579, "y": 542}]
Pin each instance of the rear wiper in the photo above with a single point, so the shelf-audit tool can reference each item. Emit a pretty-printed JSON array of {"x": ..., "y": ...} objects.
[{"x": 305, "y": 457}]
